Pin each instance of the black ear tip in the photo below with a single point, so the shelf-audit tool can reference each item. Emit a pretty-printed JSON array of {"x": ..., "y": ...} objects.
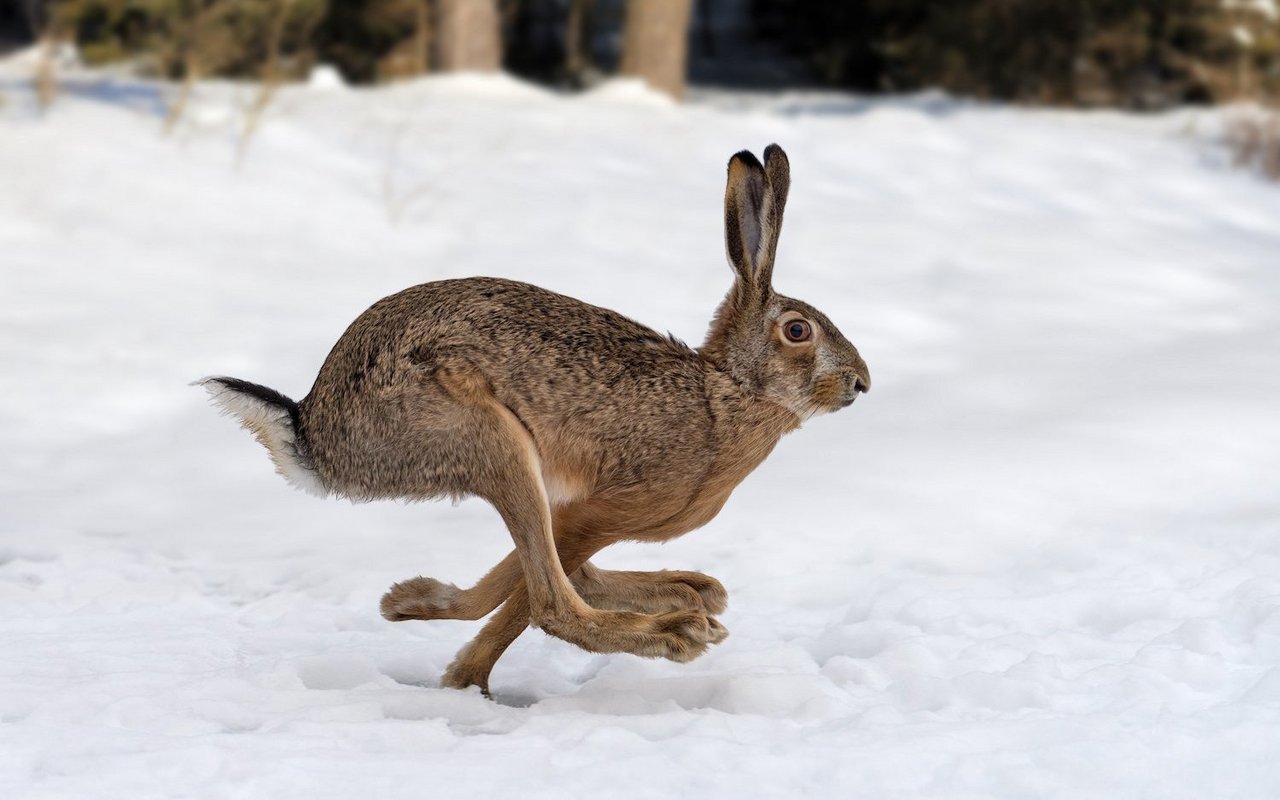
[
  {"x": 747, "y": 158},
  {"x": 774, "y": 151}
]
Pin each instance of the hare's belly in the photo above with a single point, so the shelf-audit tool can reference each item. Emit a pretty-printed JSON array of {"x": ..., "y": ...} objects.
[{"x": 666, "y": 501}]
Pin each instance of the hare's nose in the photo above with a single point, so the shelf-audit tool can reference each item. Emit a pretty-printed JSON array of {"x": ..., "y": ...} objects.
[{"x": 854, "y": 385}]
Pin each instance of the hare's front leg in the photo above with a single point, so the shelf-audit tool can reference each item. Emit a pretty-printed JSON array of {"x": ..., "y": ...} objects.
[
  {"x": 428, "y": 598},
  {"x": 649, "y": 592},
  {"x": 473, "y": 663}
]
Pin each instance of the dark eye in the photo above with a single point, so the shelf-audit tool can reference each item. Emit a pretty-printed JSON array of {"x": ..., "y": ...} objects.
[{"x": 798, "y": 331}]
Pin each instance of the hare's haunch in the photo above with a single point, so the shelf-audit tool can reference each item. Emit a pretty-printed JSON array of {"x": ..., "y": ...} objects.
[{"x": 581, "y": 427}]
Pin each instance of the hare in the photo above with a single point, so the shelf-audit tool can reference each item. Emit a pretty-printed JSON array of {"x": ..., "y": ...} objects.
[{"x": 581, "y": 427}]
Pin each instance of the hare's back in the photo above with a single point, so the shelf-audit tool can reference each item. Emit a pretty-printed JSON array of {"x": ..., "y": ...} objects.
[
  {"x": 595, "y": 388},
  {"x": 502, "y": 325}
]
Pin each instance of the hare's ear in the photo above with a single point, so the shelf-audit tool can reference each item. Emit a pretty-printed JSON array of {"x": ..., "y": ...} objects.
[
  {"x": 754, "y": 199},
  {"x": 777, "y": 173}
]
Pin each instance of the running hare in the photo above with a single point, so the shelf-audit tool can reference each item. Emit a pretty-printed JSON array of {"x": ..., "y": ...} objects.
[{"x": 582, "y": 428}]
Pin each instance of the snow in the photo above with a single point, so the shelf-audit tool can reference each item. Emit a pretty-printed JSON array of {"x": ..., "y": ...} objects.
[{"x": 1040, "y": 559}]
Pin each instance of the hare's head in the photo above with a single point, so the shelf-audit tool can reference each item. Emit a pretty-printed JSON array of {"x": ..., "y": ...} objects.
[{"x": 783, "y": 349}]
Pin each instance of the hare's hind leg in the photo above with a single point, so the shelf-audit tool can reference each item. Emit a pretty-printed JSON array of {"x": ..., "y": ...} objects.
[
  {"x": 649, "y": 592},
  {"x": 501, "y": 464}
]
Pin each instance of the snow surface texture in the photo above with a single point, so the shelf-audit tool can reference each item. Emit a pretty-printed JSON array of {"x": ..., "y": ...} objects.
[{"x": 1040, "y": 559}]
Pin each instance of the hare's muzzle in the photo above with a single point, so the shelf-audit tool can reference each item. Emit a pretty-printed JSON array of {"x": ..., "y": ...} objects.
[{"x": 854, "y": 385}]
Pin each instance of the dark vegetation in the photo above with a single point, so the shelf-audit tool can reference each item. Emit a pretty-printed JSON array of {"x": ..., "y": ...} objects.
[
  {"x": 1127, "y": 53},
  {"x": 1138, "y": 54}
]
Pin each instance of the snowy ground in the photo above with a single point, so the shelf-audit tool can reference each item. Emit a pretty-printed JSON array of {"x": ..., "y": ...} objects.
[{"x": 1040, "y": 559}]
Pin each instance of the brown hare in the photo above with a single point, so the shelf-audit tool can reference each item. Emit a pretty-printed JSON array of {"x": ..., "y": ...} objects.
[{"x": 581, "y": 427}]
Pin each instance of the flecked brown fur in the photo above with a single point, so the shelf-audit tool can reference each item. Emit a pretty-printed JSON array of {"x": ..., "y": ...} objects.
[{"x": 581, "y": 427}]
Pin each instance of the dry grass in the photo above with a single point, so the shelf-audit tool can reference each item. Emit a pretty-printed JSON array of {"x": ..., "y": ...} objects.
[
  {"x": 53, "y": 36},
  {"x": 282, "y": 31},
  {"x": 1254, "y": 141}
]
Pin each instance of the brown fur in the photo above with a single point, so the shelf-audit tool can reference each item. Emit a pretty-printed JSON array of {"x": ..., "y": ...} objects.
[{"x": 581, "y": 427}]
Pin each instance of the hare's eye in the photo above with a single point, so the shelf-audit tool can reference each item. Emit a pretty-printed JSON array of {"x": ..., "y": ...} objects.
[{"x": 798, "y": 331}]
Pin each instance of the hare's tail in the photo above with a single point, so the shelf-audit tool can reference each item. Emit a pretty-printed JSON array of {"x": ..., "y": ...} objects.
[{"x": 273, "y": 419}]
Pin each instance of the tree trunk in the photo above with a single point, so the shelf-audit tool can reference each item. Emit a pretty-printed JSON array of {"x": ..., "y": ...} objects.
[
  {"x": 577, "y": 36},
  {"x": 422, "y": 37},
  {"x": 655, "y": 43},
  {"x": 470, "y": 36},
  {"x": 36, "y": 13}
]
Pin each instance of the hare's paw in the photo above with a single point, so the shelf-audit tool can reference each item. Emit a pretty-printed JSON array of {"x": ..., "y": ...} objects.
[
  {"x": 462, "y": 674},
  {"x": 645, "y": 596},
  {"x": 684, "y": 635},
  {"x": 472, "y": 665},
  {"x": 712, "y": 593},
  {"x": 677, "y": 636},
  {"x": 651, "y": 592},
  {"x": 419, "y": 598},
  {"x": 674, "y": 590},
  {"x": 718, "y": 632}
]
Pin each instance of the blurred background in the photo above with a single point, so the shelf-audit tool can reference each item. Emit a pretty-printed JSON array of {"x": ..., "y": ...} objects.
[
  {"x": 1128, "y": 54},
  {"x": 1140, "y": 54}
]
